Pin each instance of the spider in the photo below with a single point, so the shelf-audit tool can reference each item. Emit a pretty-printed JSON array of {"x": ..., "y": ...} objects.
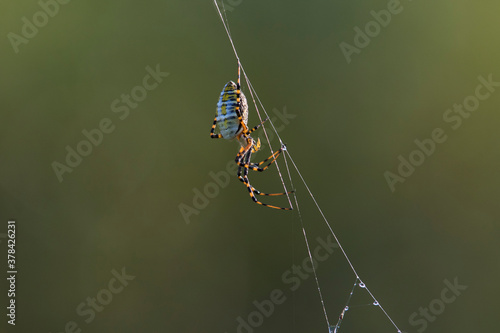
[{"x": 232, "y": 119}]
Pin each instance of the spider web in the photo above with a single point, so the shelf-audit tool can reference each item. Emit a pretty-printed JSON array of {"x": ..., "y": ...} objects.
[{"x": 358, "y": 283}]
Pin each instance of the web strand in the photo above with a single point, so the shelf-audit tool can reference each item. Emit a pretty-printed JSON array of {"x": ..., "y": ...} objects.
[
  {"x": 346, "y": 308},
  {"x": 340, "y": 245},
  {"x": 286, "y": 154},
  {"x": 307, "y": 243}
]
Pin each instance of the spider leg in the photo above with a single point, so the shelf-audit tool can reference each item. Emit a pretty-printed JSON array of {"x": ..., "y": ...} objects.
[
  {"x": 252, "y": 195},
  {"x": 212, "y": 131},
  {"x": 245, "y": 175},
  {"x": 238, "y": 101},
  {"x": 251, "y": 190},
  {"x": 256, "y": 127},
  {"x": 255, "y": 166}
]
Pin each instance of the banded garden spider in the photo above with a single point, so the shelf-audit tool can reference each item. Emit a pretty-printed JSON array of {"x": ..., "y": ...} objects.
[{"x": 232, "y": 119}]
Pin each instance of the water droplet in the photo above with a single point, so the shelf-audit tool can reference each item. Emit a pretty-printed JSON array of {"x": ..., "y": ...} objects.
[
  {"x": 362, "y": 285},
  {"x": 375, "y": 303}
]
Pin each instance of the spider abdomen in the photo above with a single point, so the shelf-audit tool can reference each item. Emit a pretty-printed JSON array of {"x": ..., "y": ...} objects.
[{"x": 228, "y": 108}]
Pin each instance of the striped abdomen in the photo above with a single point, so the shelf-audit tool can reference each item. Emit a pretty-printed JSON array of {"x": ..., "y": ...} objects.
[{"x": 227, "y": 114}]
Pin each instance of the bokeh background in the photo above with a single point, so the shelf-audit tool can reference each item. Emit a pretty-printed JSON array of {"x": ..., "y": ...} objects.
[{"x": 120, "y": 208}]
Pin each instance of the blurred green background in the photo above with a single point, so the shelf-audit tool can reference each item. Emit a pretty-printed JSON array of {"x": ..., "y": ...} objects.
[{"x": 349, "y": 122}]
